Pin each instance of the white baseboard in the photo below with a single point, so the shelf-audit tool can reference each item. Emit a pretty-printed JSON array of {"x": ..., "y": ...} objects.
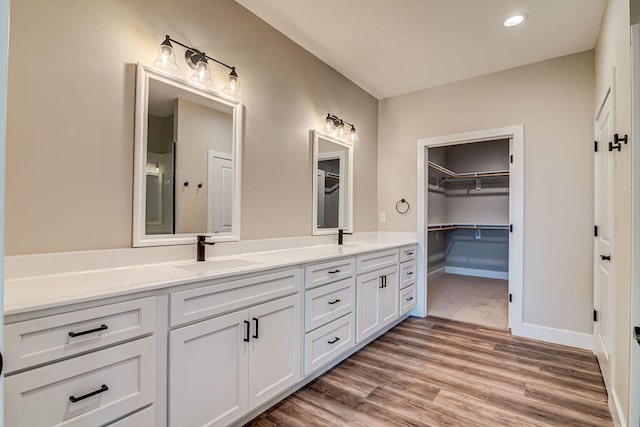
[
  {"x": 553, "y": 335},
  {"x": 489, "y": 274},
  {"x": 437, "y": 270},
  {"x": 616, "y": 410}
]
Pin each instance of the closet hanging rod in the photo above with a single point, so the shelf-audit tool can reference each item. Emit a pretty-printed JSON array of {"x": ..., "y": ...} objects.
[
  {"x": 466, "y": 175},
  {"x": 444, "y": 227}
]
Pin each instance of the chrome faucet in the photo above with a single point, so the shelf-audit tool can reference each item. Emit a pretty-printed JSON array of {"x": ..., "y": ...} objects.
[
  {"x": 200, "y": 245},
  {"x": 341, "y": 233}
]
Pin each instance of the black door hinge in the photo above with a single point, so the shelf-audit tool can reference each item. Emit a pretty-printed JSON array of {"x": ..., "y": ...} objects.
[
  {"x": 510, "y": 228},
  {"x": 511, "y": 158},
  {"x": 595, "y": 315},
  {"x": 595, "y": 231},
  {"x": 595, "y": 146},
  {"x": 617, "y": 142},
  {"x": 510, "y": 297}
]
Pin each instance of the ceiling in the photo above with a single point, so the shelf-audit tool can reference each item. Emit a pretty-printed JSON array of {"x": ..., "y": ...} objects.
[{"x": 391, "y": 47}]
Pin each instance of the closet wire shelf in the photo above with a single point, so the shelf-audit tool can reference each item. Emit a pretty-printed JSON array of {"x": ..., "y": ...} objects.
[
  {"x": 448, "y": 175},
  {"x": 445, "y": 227}
]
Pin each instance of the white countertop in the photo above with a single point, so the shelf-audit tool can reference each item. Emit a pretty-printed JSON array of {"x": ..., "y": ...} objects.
[{"x": 39, "y": 292}]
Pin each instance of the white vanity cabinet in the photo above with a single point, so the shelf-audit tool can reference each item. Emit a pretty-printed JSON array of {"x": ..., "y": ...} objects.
[
  {"x": 329, "y": 312},
  {"x": 80, "y": 368},
  {"x": 223, "y": 367},
  {"x": 376, "y": 292},
  {"x": 407, "y": 279}
]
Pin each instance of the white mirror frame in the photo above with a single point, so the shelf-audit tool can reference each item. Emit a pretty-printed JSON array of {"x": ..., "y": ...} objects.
[
  {"x": 140, "y": 238},
  {"x": 345, "y": 207}
]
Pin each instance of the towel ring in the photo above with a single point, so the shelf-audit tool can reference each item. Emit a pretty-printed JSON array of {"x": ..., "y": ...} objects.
[{"x": 399, "y": 204}]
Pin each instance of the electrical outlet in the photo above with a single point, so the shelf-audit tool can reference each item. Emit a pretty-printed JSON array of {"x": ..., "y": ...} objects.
[{"x": 383, "y": 217}]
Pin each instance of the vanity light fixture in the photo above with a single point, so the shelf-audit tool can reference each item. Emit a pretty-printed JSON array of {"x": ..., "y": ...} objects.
[
  {"x": 335, "y": 127},
  {"x": 515, "y": 20},
  {"x": 198, "y": 61}
]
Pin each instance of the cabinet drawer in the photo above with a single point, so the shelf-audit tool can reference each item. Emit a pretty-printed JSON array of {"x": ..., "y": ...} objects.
[
  {"x": 376, "y": 260},
  {"x": 407, "y": 274},
  {"x": 407, "y": 299},
  {"x": 144, "y": 418},
  {"x": 326, "y": 343},
  {"x": 207, "y": 301},
  {"x": 43, "y": 340},
  {"x": 327, "y": 272},
  {"x": 108, "y": 384},
  {"x": 407, "y": 253},
  {"x": 327, "y": 303}
]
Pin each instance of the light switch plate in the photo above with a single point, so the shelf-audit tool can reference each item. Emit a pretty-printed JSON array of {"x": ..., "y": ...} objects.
[{"x": 383, "y": 217}]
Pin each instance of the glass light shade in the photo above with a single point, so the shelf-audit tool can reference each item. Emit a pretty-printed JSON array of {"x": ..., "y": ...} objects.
[
  {"x": 340, "y": 129},
  {"x": 329, "y": 124},
  {"x": 166, "y": 58},
  {"x": 233, "y": 86},
  {"x": 202, "y": 73},
  {"x": 353, "y": 136}
]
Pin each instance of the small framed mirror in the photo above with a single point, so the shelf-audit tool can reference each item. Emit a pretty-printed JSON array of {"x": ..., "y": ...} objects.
[
  {"x": 332, "y": 184},
  {"x": 187, "y": 168}
]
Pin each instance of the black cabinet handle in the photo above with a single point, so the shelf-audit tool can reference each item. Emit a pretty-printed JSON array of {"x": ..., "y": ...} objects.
[
  {"x": 334, "y": 271},
  {"x": 381, "y": 281},
  {"x": 605, "y": 257},
  {"x": 636, "y": 334},
  {"x": 256, "y": 334},
  {"x": 409, "y": 253},
  {"x": 247, "y": 325},
  {"x": 385, "y": 280},
  {"x": 409, "y": 273},
  {"x": 90, "y": 331},
  {"x": 410, "y": 299},
  {"x": 335, "y": 301},
  {"x": 333, "y": 341},
  {"x": 102, "y": 389}
]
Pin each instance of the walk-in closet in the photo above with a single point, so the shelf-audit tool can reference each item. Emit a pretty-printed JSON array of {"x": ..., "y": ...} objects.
[{"x": 468, "y": 232}]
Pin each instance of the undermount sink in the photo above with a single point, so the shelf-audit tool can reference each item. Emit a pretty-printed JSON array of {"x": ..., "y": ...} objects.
[
  {"x": 214, "y": 266},
  {"x": 356, "y": 244}
]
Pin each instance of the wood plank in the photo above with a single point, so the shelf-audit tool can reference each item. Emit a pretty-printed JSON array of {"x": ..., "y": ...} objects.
[{"x": 440, "y": 372}]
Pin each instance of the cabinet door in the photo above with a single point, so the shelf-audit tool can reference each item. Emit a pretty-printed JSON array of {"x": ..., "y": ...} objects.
[
  {"x": 368, "y": 287},
  {"x": 389, "y": 296},
  {"x": 274, "y": 359},
  {"x": 208, "y": 372}
]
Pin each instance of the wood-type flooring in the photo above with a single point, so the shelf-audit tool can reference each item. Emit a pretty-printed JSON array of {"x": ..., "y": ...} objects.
[{"x": 437, "y": 372}]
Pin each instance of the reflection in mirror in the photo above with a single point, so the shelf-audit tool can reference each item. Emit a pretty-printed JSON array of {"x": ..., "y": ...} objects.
[
  {"x": 333, "y": 166},
  {"x": 187, "y": 176}
]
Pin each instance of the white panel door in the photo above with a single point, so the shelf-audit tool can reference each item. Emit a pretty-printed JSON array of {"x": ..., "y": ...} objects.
[
  {"x": 275, "y": 358},
  {"x": 220, "y": 193},
  {"x": 208, "y": 365},
  {"x": 604, "y": 258},
  {"x": 389, "y": 295},
  {"x": 368, "y": 287}
]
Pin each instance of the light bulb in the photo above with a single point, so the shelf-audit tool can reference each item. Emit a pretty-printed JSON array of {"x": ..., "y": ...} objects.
[
  {"x": 341, "y": 130},
  {"x": 329, "y": 123},
  {"x": 514, "y": 20},
  {"x": 233, "y": 86}
]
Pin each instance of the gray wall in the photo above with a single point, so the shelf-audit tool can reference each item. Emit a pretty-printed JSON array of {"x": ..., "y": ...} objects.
[{"x": 71, "y": 116}]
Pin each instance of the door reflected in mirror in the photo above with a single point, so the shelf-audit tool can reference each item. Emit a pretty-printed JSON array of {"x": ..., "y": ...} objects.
[
  {"x": 332, "y": 184},
  {"x": 188, "y": 141}
]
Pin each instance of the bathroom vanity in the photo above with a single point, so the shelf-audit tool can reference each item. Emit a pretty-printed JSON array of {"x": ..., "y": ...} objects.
[{"x": 190, "y": 344}]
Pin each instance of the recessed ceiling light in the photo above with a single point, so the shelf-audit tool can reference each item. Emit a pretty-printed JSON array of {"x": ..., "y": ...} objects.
[{"x": 514, "y": 20}]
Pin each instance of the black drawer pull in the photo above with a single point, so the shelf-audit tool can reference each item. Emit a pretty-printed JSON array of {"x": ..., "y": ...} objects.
[
  {"x": 256, "y": 334},
  {"x": 335, "y": 301},
  {"x": 605, "y": 257},
  {"x": 409, "y": 273},
  {"x": 410, "y": 299},
  {"x": 247, "y": 326},
  {"x": 409, "y": 253},
  {"x": 334, "y": 271},
  {"x": 90, "y": 331},
  {"x": 333, "y": 341},
  {"x": 381, "y": 282},
  {"x": 102, "y": 389}
]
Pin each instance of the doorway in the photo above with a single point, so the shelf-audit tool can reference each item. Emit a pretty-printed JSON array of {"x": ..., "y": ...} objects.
[{"x": 504, "y": 235}]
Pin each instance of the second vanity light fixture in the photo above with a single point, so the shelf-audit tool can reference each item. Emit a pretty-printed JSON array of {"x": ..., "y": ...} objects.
[
  {"x": 335, "y": 127},
  {"x": 198, "y": 61}
]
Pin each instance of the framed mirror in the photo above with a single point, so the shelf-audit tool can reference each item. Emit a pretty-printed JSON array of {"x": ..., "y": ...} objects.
[
  {"x": 187, "y": 168},
  {"x": 332, "y": 184}
]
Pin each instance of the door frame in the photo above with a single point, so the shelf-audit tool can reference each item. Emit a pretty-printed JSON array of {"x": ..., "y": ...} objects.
[
  {"x": 516, "y": 213},
  {"x": 634, "y": 364},
  {"x": 4, "y": 68}
]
